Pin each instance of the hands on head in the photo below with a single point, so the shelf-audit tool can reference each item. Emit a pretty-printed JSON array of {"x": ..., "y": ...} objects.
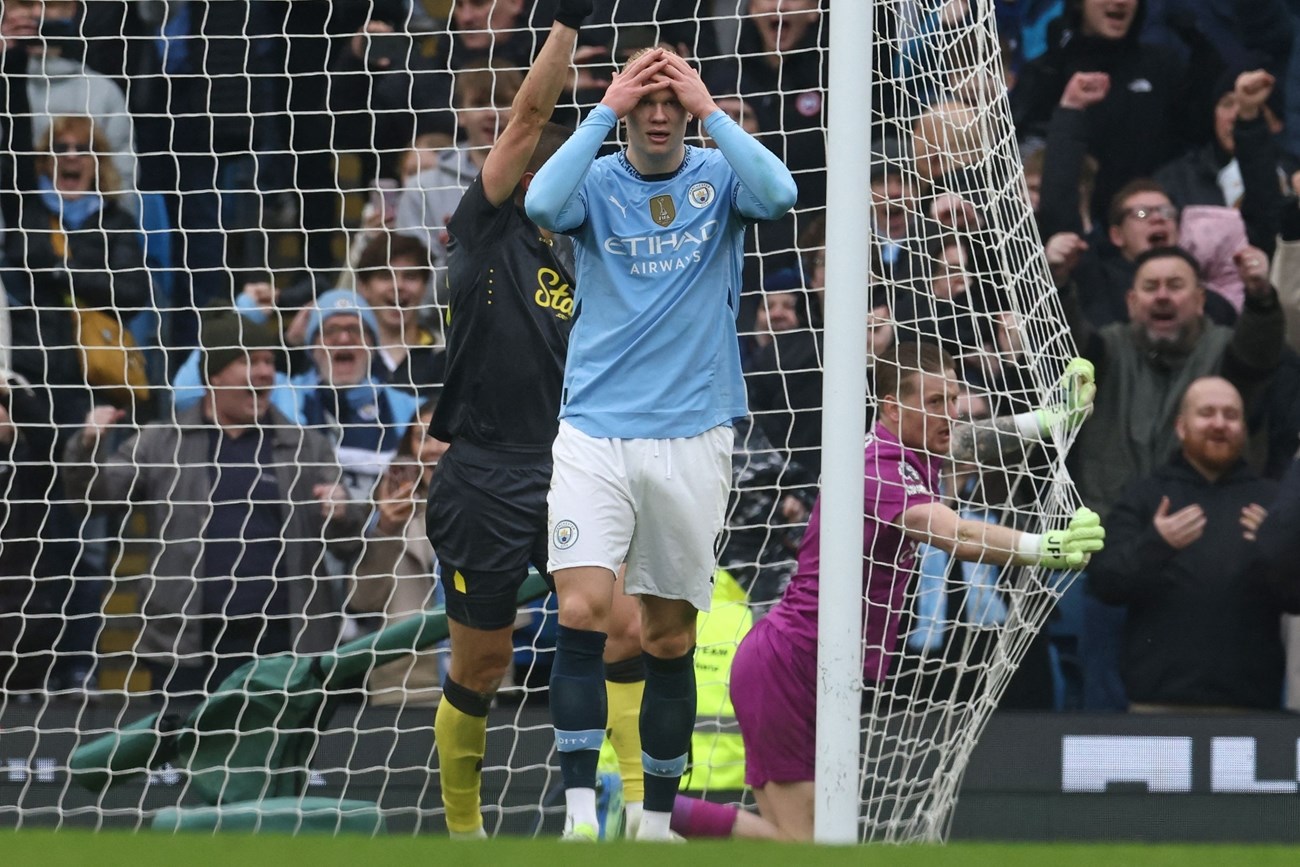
[
  {"x": 689, "y": 87},
  {"x": 637, "y": 80},
  {"x": 653, "y": 71}
]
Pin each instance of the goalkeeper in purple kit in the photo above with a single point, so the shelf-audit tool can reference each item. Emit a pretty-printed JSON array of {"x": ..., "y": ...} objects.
[{"x": 774, "y": 674}]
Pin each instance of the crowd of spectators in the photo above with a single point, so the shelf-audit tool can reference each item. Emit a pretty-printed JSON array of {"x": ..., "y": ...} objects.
[{"x": 157, "y": 160}]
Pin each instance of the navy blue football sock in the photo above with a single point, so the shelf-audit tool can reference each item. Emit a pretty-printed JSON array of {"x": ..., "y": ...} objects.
[
  {"x": 578, "y": 704},
  {"x": 667, "y": 722}
]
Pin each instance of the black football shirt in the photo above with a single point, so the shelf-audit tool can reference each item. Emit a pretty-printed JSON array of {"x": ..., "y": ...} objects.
[{"x": 510, "y": 312}]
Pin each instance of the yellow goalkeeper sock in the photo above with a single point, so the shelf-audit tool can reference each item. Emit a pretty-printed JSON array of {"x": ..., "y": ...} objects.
[
  {"x": 624, "y": 696},
  {"x": 460, "y": 733}
]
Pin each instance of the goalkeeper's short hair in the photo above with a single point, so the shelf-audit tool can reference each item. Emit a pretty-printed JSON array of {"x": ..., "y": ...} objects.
[{"x": 897, "y": 368}]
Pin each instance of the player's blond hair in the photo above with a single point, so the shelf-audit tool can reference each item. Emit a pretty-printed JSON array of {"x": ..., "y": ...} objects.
[{"x": 640, "y": 51}]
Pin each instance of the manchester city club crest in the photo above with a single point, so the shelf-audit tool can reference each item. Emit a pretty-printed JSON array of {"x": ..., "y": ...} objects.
[
  {"x": 565, "y": 534},
  {"x": 662, "y": 210},
  {"x": 701, "y": 194}
]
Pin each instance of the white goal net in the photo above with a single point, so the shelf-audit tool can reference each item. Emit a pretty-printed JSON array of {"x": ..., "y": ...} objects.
[
  {"x": 971, "y": 276},
  {"x": 189, "y": 621}
]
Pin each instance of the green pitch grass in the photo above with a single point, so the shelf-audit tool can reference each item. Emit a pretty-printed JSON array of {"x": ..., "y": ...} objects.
[{"x": 85, "y": 849}]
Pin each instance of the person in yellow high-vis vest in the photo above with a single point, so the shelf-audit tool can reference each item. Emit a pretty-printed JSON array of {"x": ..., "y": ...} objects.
[
  {"x": 717, "y": 757},
  {"x": 717, "y": 761}
]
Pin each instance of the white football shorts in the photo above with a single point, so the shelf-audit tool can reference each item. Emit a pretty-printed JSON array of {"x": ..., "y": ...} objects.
[{"x": 658, "y": 505}]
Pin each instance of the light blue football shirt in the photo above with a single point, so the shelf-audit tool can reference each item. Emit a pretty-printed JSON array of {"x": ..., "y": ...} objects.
[{"x": 653, "y": 353}]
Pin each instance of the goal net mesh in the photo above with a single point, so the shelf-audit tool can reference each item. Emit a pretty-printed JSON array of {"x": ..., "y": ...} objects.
[
  {"x": 973, "y": 279},
  {"x": 165, "y": 160}
]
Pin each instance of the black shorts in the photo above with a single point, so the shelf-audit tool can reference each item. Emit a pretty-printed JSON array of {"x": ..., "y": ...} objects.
[{"x": 487, "y": 522}]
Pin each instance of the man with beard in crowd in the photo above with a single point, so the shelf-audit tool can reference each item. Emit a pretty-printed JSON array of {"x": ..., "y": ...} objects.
[{"x": 1202, "y": 625}]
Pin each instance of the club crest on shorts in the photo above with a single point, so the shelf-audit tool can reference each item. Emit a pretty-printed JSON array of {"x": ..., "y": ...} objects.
[
  {"x": 662, "y": 210},
  {"x": 701, "y": 194},
  {"x": 565, "y": 534}
]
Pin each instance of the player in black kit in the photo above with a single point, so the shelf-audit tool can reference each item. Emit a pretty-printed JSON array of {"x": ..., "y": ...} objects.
[{"x": 511, "y": 307}]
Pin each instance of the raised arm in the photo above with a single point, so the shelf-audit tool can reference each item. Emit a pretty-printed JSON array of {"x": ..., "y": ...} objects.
[
  {"x": 1257, "y": 157},
  {"x": 1259, "y": 335},
  {"x": 767, "y": 189},
  {"x": 1067, "y": 147},
  {"x": 1286, "y": 267},
  {"x": 533, "y": 105},
  {"x": 554, "y": 201},
  {"x": 1065, "y": 260},
  {"x": 1003, "y": 439}
]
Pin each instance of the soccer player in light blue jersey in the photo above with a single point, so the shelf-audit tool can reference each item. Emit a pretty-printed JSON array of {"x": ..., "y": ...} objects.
[{"x": 652, "y": 385}]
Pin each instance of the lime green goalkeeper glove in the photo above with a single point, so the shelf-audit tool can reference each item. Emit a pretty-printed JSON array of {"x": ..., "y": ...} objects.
[
  {"x": 1071, "y": 401},
  {"x": 1072, "y": 547}
]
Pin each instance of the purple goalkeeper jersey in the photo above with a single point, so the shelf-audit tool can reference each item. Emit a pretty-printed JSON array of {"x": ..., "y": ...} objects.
[{"x": 896, "y": 480}]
